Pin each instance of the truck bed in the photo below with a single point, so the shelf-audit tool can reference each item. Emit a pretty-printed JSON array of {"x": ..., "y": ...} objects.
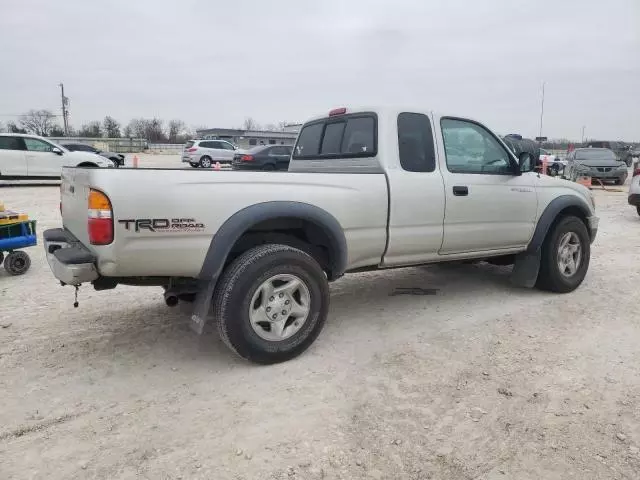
[{"x": 165, "y": 219}]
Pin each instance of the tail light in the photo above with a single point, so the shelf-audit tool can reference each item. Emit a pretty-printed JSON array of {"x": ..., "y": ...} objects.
[
  {"x": 100, "y": 222},
  {"x": 247, "y": 158},
  {"x": 192, "y": 149},
  {"x": 337, "y": 111},
  {"x": 636, "y": 172}
]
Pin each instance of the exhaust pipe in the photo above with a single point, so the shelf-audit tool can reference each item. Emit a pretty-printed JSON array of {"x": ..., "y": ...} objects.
[{"x": 171, "y": 300}]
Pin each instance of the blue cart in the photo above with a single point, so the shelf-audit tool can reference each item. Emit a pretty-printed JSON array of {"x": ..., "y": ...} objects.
[{"x": 12, "y": 237}]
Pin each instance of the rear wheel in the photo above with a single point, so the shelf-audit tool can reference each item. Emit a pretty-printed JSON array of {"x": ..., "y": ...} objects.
[
  {"x": 638, "y": 209},
  {"x": 205, "y": 162},
  {"x": 17, "y": 263},
  {"x": 565, "y": 256},
  {"x": 271, "y": 303},
  {"x": 269, "y": 167}
]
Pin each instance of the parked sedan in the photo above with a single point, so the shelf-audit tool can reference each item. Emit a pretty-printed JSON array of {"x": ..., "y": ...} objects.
[
  {"x": 597, "y": 163},
  {"x": 264, "y": 157},
  {"x": 116, "y": 158}
]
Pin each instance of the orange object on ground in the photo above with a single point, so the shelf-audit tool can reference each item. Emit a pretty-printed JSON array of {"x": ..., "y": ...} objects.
[
  {"x": 586, "y": 181},
  {"x": 135, "y": 161},
  {"x": 217, "y": 166}
]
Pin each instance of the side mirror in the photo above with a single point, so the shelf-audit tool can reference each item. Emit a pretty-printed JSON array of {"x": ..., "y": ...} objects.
[
  {"x": 56, "y": 150},
  {"x": 525, "y": 162}
]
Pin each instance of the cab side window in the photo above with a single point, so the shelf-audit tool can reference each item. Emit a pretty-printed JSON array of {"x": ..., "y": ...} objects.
[
  {"x": 11, "y": 143},
  {"x": 470, "y": 148},
  {"x": 35, "y": 145}
]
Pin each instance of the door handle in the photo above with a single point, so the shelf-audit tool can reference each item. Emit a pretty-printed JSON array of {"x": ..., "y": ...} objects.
[{"x": 460, "y": 191}]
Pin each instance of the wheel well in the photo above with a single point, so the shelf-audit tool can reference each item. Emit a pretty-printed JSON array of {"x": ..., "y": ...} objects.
[
  {"x": 87, "y": 164},
  {"x": 572, "y": 211},
  {"x": 294, "y": 232}
]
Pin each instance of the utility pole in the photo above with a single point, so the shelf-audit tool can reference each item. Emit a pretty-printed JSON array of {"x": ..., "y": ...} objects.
[
  {"x": 541, "y": 110},
  {"x": 582, "y": 141},
  {"x": 65, "y": 110}
]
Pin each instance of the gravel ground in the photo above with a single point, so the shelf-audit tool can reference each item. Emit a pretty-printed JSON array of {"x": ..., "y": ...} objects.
[{"x": 479, "y": 381}]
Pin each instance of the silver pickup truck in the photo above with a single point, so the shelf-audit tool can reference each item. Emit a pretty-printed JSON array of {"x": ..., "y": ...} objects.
[{"x": 366, "y": 189}]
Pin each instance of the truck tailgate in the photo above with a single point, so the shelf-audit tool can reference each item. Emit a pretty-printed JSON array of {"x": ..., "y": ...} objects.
[{"x": 74, "y": 193}]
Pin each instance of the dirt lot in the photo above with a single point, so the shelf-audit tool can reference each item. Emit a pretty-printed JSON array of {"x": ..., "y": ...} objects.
[{"x": 479, "y": 381}]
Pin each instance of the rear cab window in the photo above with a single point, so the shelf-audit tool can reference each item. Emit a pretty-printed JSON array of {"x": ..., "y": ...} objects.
[
  {"x": 345, "y": 136},
  {"x": 11, "y": 143}
]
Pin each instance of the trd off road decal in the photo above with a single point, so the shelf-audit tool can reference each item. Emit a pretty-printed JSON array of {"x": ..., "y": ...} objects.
[{"x": 163, "y": 225}]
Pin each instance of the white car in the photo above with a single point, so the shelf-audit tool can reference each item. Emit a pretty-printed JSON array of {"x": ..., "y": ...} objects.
[
  {"x": 634, "y": 190},
  {"x": 24, "y": 156},
  {"x": 205, "y": 153}
]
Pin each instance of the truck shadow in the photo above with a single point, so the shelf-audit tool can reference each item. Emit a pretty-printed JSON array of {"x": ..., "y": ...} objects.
[{"x": 159, "y": 334}]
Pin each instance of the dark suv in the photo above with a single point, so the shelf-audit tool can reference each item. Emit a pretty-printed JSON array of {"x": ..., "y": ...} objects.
[{"x": 622, "y": 151}]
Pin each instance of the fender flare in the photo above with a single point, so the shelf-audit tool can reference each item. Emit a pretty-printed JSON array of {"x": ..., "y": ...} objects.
[
  {"x": 236, "y": 225},
  {"x": 549, "y": 216}
]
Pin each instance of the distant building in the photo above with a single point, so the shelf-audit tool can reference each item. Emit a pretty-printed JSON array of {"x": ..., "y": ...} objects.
[{"x": 252, "y": 138}]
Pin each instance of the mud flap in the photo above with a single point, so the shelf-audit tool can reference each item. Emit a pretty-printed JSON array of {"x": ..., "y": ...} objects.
[
  {"x": 201, "y": 312},
  {"x": 526, "y": 268}
]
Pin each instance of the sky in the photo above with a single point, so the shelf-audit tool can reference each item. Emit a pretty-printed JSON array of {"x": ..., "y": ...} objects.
[{"x": 213, "y": 63}]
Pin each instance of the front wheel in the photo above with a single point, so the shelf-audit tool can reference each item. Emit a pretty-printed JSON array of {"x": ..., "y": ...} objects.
[
  {"x": 565, "y": 256},
  {"x": 271, "y": 303},
  {"x": 638, "y": 209},
  {"x": 17, "y": 263}
]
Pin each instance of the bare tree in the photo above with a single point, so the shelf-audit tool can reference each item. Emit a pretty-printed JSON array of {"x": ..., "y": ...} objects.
[
  {"x": 127, "y": 131},
  {"x": 91, "y": 130},
  {"x": 13, "y": 128},
  {"x": 111, "y": 127},
  {"x": 38, "y": 122},
  {"x": 150, "y": 128},
  {"x": 250, "y": 124},
  {"x": 176, "y": 129},
  {"x": 57, "y": 131}
]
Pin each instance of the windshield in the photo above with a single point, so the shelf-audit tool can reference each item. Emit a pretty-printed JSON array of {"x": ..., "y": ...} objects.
[{"x": 595, "y": 155}]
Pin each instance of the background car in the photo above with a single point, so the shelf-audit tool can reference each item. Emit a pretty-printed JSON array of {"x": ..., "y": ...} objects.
[
  {"x": 597, "y": 163},
  {"x": 634, "y": 190},
  {"x": 205, "y": 153},
  {"x": 24, "y": 156},
  {"x": 264, "y": 157},
  {"x": 622, "y": 151},
  {"x": 116, "y": 158}
]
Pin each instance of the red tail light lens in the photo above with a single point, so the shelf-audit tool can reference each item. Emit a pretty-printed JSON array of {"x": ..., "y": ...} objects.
[
  {"x": 247, "y": 158},
  {"x": 337, "y": 111},
  {"x": 100, "y": 221},
  {"x": 636, "y": 172},
  {"x": 192, "y": 149}
]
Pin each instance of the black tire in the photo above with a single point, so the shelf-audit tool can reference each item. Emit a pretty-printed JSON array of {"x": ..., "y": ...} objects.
[
  {"x": 638, "y": 209},
  {"x": 620, "y": 181},
  {"x": 550, "y": 277},
  {"x": 1, "y": 257},
  {"x": 17, "y": 263},
  {"x": 205, "y": 161},
  {"x": 270, "y": 167},
  {"x": 235, "y": 290}
]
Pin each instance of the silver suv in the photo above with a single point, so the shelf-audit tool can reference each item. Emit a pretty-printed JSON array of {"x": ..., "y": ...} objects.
[{"x": 205, "y": 153}]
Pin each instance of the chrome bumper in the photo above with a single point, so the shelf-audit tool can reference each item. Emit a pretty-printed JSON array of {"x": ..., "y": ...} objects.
[{"x": 70, "y": 261}]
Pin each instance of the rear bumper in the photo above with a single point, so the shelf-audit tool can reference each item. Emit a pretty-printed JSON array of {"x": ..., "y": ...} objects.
[
  {"x": 634, "y": 199},
  {"x": 70, "y": 261}
]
